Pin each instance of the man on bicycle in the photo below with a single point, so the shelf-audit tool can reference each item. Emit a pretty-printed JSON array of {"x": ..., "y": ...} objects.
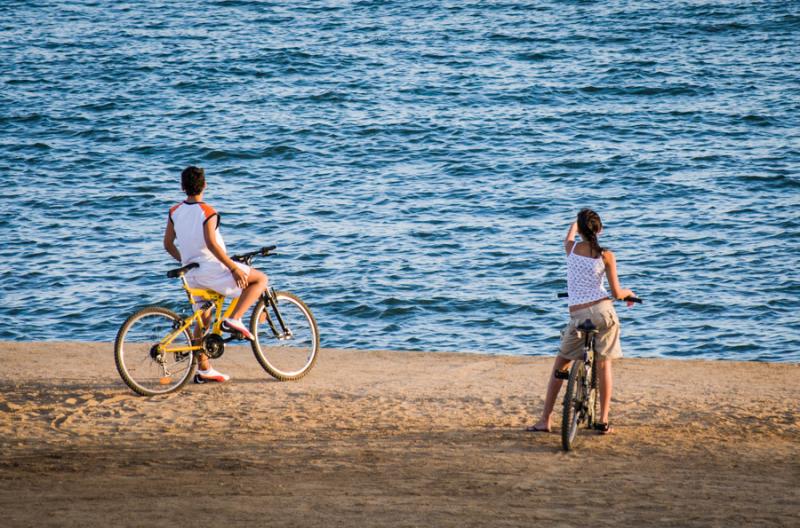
[{"x": 194, "y": 226}]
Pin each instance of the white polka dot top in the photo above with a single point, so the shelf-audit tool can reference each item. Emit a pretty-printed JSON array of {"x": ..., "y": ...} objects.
[{"x": 585, "y": 278}]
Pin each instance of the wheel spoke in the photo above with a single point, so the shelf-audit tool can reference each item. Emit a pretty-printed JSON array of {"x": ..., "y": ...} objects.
[
  {"x": 292, "y": 352},
  {"x": 141, "y": 367}
]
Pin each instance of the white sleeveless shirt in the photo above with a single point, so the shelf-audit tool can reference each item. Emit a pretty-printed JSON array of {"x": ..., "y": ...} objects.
[
  {"x": 585, "y": 278},
  {"x": 188, "y": 220}
]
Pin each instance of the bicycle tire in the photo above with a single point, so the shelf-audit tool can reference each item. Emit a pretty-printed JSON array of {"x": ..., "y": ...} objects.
[
  {"x": 142, "y": 377},
  {"x": 573, "y": 402},
  {"x": 279, "y": 357},
  {"x": 593, "y": 399}
]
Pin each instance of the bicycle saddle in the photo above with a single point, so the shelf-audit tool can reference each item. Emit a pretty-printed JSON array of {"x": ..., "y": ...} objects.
[
  {"x": 179, "y": 272},
  {"x": 587, "y": 326}
]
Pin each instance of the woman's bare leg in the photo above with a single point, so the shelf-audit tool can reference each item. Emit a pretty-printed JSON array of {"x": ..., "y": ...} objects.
[
  {"x": 606, "y": 387},
  {"x": 553, "y": 386}
]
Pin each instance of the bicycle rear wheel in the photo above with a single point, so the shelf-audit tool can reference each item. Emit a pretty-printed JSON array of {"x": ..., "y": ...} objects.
[
  {"x": 574, "y": 405},
  {"x": 145, "y": 367},
  {"x": 286, "y": 351}
]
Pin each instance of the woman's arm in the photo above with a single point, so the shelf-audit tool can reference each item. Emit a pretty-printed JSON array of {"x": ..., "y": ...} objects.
[
  {"x": 169, "y": 241},
  {"x": 569, "y": 240},
  {"x": 613, "y": 280},
  {"x": 209, "y": 231}
]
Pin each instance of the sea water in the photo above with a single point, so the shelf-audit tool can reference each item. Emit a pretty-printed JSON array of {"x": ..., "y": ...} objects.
[{"x": 416, "y": 163}]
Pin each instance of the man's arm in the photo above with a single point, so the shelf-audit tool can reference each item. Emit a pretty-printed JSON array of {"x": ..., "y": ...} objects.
[
  {"x": 169, "y": 241},
  {"x": 209, "y": 231}
]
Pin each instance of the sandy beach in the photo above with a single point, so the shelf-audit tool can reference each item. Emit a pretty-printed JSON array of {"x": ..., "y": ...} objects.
[{"x": 384, "y": 438}]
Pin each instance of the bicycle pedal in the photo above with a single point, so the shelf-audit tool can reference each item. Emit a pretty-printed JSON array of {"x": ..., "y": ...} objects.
[{"x": 562, "y": 374}]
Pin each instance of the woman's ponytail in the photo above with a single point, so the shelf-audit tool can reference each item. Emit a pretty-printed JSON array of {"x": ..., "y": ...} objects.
[{"x": 589, "y": 225}]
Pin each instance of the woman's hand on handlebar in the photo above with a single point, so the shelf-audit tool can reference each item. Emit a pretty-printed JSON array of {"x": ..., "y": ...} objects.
[{"x": 629, "y": 297}]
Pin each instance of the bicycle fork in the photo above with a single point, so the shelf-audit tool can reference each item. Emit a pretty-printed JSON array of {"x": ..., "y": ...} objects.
[{"x": 270, "y": 299}]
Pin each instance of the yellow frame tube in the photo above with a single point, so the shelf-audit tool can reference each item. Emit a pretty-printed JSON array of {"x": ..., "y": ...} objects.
[{"x": 216, "y": 327}]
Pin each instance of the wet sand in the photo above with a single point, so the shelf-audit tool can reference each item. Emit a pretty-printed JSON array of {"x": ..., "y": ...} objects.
[{"x": 392, "y": 439}]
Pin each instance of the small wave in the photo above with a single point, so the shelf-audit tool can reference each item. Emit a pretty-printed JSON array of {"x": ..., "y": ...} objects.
[
  {"x": 539, "y": 56},
  {"x": 518, "y": 39},
  {"x": 100, "y": 107},
  {"x": 722, "y": 27},
  {"x": 757, "y": 120},
  {"x": 329, "y": 96},
  {"x": 643, "y": 91},
  {"x": 277, "y": 151}
]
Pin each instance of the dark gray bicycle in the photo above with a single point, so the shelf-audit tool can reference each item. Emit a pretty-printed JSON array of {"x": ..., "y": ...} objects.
[{"x": 581, "y": 397}]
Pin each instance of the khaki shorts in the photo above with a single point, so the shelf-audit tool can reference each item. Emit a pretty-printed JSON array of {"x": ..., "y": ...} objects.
[{"x": 606, "y": 344}]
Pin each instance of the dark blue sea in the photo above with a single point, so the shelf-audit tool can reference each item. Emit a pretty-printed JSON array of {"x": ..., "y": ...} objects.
[{"x": 416, "y": 163}]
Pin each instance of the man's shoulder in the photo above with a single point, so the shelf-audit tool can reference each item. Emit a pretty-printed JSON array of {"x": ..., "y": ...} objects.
[{"x": 208, "y": 210}]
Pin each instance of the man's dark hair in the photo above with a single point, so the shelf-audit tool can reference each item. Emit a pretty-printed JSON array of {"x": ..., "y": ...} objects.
[{"x": 193, "y": 179}]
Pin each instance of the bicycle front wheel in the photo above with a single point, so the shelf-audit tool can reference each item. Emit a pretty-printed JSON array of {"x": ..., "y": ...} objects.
[
  {"x": 147, "y": 367},
  {"x": 574, "y": 405},
  {"x": 286, "y": 340}
]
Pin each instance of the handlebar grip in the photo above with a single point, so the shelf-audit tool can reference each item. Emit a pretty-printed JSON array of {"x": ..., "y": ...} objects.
[
  {"x": 563, "y": 295},
  {"x": 267, "y": 249}
]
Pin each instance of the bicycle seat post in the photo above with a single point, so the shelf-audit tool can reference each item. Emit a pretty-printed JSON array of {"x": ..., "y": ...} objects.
[{"x": 186, "y": 287}]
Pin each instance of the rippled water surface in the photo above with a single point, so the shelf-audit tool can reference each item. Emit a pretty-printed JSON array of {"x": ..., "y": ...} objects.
[{"x": 417, "y": 163}]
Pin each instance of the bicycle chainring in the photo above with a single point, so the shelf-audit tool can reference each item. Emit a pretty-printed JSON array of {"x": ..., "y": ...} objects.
[{"x": 213, "y": 345}]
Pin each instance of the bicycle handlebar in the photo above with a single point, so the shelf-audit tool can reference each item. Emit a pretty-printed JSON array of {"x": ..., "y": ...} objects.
[
  {"x": 263, "y": 252},
  {"x": 246, "y": 258},
  {"x": 564, "y": 295}
]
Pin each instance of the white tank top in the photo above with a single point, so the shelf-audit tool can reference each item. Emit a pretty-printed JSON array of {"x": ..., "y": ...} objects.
[
  {"x": 188, "y": 219},
  {"x": 585, "y": 278}
]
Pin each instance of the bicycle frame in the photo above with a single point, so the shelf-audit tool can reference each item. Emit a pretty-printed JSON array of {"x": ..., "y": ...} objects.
[
  {"x": 588, "y": 353},
  {"x": 216, "y": 301},
  {"x": 590, "y": 373}
]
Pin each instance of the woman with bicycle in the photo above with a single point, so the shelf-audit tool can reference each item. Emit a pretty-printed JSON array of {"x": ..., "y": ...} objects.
[{"x": 587, "y": 264}]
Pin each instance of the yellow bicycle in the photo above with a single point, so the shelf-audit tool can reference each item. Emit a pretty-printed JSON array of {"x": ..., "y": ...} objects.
[{"x": 156, "y": 349}]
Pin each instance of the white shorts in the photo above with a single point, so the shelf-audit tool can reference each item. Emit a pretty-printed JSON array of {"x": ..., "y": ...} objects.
[{"x": 215, "y": 276}]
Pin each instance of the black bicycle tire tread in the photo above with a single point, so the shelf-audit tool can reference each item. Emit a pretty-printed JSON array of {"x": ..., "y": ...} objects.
[
  {"x": 117, "y": 344},
  {"x": 254, "y": 344},
  {"x": 566, "y": 444}
]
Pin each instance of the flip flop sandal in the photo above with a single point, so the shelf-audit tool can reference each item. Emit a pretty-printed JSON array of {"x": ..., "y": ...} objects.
[
  {"x": 603, "y": 428},
  {"x": 534, "y": 429}
]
